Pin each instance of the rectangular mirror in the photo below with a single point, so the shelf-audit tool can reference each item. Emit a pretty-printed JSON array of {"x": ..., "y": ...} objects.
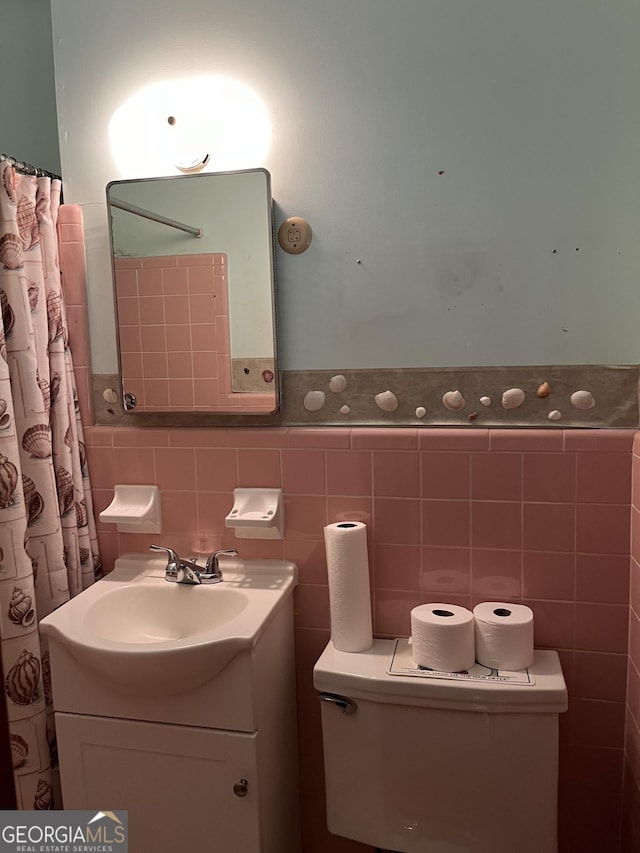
[{"x": 193, "y": 278}]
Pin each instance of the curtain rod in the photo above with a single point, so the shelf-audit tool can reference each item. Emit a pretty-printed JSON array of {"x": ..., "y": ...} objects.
[
  {"x": 155, "y": 217},
  {"x": 28, "y": 169}
]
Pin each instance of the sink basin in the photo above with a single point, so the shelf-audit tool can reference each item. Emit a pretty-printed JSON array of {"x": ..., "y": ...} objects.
[
  {"x": 153, "y": 638},
  {"x": 160, "y": 613}
]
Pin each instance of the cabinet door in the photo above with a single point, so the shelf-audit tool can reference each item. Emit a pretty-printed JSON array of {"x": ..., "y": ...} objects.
[{"x": 176, "y": 782}]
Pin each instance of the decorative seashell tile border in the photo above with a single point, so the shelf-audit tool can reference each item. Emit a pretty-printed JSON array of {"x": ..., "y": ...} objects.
[
  {"x": 561, "y": 396},
  {"x": 552, "y": 396}
]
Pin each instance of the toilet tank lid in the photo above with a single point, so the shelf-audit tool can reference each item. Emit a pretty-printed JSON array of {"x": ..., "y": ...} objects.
[{"x": 364, "y": 675}]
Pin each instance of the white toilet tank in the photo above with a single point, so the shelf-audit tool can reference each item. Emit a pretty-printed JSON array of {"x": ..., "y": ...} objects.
[{"x": 425, "y": 765}]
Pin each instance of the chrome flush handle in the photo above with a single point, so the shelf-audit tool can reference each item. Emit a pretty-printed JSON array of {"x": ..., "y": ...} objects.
[{"x": 346, "y": 705}]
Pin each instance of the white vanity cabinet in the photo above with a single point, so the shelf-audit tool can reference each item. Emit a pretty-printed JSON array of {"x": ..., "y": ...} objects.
[
  {"x": 213, "y": 768},
  {"x": 177, "y": 782}
]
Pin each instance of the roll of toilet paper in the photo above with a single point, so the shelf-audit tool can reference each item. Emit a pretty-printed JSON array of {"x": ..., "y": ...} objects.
[
  {"x": 442, "y": 637},
  {"x": 349, "y": 591},
  {"x": 504, "y": 635}
]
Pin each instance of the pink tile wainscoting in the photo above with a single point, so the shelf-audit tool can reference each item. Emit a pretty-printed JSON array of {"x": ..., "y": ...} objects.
[
  {"x": 464, "y": 516},
  {"x": 74, "y": 283}
]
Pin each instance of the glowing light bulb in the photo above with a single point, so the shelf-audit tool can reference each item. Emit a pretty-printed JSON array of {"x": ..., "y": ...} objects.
[{"x": 210, "y": 123}]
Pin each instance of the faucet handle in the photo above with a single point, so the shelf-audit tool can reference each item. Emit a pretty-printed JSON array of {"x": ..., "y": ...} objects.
[
  {"x": 212, "y": 560},
  {"x": 178, "y": 571},
  {"x": 212, "y": 573},
  {"x": 173, "y": 562},
  {"x": 171, "y": 554}
]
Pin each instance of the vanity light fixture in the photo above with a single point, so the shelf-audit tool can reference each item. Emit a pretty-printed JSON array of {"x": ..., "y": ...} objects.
[
  {"x": 196, "y": 166},
  {"x": 193, "y": 124}
]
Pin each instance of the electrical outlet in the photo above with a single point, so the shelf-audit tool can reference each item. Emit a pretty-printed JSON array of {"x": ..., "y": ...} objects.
[{"x": 294, "y": 235}]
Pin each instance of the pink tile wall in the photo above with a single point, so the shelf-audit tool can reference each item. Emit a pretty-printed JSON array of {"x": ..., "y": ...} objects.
[
  {"x": 541, "y": 517},
  {"x": 74, "y": 282},
  {"x": 631, "y": 820}
]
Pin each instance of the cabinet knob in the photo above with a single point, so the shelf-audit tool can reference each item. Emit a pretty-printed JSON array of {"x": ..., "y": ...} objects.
[{"x": 241, "y": 788}]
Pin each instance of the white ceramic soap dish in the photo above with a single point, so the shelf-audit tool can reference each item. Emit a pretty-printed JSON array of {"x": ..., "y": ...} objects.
[
  {"x": 134, "y": 509},
  {"x": 257, "y": 514}
]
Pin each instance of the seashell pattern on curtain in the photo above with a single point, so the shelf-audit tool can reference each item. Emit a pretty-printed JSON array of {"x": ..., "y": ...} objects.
[{"x": 48, "y": 544}]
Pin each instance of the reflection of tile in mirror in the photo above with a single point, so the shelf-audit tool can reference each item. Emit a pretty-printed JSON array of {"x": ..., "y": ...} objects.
[
  {"x": 128, "y": 310},
  {"x": 130, "y": 339},
  {"x": 152, "y": 339},
  {"x": 178, "y": 338},
  {"x": 181, "y": 394},
  {"x": 156, "y": 393},
  {"x": 207, "y": 393},
  {"x": 154, "y": 364},
  {"x": 132, "y": 364},
  {"x": 205, "y": 364},
  {"x": 149, "y": 281},
  {"x": 179, "y": 364},
  {"x": 151, "y": 309},
  {"x": 202, "y": 306},
  {"x": 222, "y": 335},
  {"x": 125, "y": 263},
  {"x": 201, "y": 280},
  {"x": 176, "y": 309},
  {"x": 174, "y": 280},
  {"x": 126, "y": 281},
  {"x": 203, "y": 337},
  {"x": 174, "y": 331}
]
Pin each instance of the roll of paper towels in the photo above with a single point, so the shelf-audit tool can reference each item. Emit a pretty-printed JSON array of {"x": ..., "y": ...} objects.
[
  {"x": 442, "y": 637},
  {"x": 504, "y": 635},
  {"x": 349, "y": 591}
]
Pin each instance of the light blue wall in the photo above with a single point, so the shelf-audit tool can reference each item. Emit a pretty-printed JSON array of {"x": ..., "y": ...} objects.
[
  {"x": 479, "y": 157},
  {"x": 29, "y": 126}
]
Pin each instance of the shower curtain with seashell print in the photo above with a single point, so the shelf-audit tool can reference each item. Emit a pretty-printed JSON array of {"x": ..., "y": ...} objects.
[{"x": 48, "y": 544}]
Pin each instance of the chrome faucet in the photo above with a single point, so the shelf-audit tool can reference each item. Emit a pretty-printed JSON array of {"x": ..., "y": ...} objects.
[
  {"x": 178, "y": 570},
  {"x": 188, "y": 571}
]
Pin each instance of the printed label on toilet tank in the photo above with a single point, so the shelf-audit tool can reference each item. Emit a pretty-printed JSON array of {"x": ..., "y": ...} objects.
[{"x": 402, "y": 663}]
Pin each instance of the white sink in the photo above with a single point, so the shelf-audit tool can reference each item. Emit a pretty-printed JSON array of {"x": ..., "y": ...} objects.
[
  {"x": 154, "y": 638},
  {"x": 155, "y": 613}
]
